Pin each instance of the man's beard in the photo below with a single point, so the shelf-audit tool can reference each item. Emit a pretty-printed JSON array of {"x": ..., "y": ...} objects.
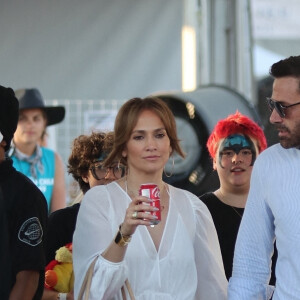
[{"x": 293, "y": 140}]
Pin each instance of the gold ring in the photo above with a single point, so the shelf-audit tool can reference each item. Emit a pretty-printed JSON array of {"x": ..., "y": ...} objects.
[{"x": 134, "y": 215}]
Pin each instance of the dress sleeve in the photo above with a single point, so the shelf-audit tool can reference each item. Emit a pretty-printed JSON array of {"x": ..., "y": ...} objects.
[
  {"x": 212, "y": 282},
  {"x": 254, "y": 245},
  {"x": 92, "y": 236}
]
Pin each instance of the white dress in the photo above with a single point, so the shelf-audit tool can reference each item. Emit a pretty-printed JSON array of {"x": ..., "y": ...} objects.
[{"x": 187, "y": 265}]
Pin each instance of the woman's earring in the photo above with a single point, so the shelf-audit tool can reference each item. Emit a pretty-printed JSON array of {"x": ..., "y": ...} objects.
[
  {"x": 172, "y": 171},
  {"x": 123, "y": 168}
]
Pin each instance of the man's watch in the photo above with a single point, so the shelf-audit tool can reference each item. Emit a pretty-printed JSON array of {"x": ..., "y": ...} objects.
[{"x": 122, "y": 240}]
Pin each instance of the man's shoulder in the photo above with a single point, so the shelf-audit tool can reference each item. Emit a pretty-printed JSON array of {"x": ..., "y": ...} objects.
[
  {"x": 273, "y": 148},
  {"x": 270, "y": 152},
  {"x": 22, "y": 194},
  {"x": 27, "y": 189},
  {"x": 276, "y": 151},
  {"x": 26, "y": 182},
  {"x": 18, "y": 179}
]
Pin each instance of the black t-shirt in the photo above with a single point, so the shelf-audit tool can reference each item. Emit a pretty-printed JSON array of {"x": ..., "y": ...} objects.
[
  {"x": 227, "y": 221},
  {"x": 23, "y": 220},
  {"x": 61, "y": 226}
]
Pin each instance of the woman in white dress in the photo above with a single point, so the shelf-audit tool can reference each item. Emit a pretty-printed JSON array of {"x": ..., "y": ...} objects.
[{"x": 179, "y": 258}]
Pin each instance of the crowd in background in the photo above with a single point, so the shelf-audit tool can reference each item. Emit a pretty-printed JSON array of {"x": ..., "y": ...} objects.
[{"x": 240, "y": 241}]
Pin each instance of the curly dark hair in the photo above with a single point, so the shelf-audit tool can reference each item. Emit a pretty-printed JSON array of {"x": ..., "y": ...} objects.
[{"x": 86, "y": 149}]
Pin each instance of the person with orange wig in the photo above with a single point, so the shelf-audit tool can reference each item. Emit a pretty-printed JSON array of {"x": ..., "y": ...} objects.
[{"x": 233, "y": 145}]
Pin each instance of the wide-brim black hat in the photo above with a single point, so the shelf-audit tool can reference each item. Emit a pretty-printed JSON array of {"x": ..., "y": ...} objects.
[{"x": 32, "y": 98}]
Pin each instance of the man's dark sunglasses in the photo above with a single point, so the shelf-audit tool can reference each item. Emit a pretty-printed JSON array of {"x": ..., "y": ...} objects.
[{"x": 280, "y": 108}]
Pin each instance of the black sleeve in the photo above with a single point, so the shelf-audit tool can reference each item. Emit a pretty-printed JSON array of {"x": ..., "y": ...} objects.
[
  {"x": 30, "y": 224},
  {"x": 61, "y": 226},
  {"x": 54, "y": 232}
]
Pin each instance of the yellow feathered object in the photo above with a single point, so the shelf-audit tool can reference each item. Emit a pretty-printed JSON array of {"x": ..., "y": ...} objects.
[{"x": 59, "y": 274}]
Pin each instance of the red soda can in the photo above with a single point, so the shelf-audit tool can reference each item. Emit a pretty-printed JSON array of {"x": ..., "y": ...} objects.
[{"x": 151, "y": 190}]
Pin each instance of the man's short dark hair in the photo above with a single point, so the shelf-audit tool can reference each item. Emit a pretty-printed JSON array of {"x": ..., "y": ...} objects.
[{"x": 286, "y": 67}]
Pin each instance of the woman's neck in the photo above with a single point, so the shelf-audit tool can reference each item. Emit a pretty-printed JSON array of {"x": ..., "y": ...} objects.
[
  {"x": 236, "y": 199},
  {"x": 27, "y": 149}
]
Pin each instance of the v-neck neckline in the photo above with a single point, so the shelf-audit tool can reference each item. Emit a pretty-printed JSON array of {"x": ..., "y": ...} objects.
[{"x": 143, "y": 230}]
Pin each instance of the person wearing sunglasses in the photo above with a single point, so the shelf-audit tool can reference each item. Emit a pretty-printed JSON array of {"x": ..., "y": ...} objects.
[
  {"x": 85, "y": 164},
  {"x": 100, "y": 172},
  {"x": 273, "y": 207}
]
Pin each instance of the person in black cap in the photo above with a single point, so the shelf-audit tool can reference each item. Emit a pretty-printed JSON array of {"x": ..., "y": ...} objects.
[
  {"x": 23, "y": 217},
  {"x": 42, "y": 165}
]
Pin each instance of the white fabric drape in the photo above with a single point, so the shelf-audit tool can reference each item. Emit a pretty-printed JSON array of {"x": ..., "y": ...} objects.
[{"x": 188, "y": 264}]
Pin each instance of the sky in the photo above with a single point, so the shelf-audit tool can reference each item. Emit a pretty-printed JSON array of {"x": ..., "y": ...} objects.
[{"x": 263, "y": 59}]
